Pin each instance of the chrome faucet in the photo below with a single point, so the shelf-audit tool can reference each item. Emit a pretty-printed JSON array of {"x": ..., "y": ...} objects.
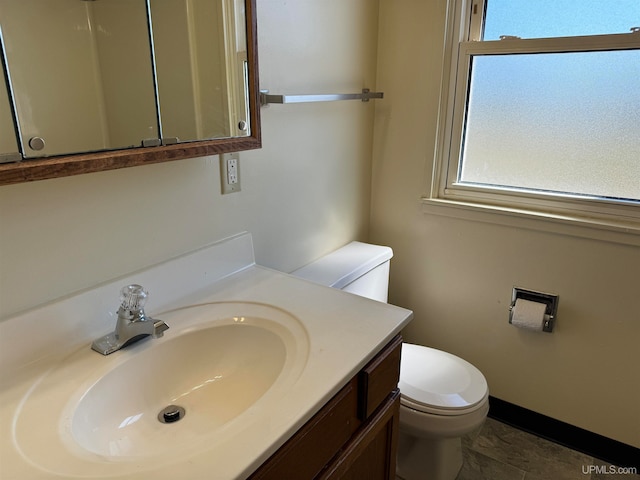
[{"x": 132, "y": 324}]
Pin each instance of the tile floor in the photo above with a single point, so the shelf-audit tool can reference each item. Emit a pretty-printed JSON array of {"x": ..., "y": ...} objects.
[
  {"x": 500, "y": 452},
  {"x": 497, "y": 451}
]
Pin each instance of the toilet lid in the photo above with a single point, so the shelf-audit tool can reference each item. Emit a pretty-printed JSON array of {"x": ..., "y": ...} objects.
[{"x": 436, "y": 379}]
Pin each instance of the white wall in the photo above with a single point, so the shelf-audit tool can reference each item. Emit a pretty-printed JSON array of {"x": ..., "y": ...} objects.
[
  {"x": 457, "y": 274},
  {"x": 306, "y": 192}
]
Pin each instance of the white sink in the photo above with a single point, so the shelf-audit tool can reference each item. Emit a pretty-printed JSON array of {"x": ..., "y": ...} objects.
[
  {"x": 223, "y": 363},
  {"x": 68, "y": 412}
]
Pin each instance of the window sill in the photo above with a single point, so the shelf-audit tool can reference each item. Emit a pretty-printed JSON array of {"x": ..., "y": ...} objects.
[{"x": 591, "y": 228}]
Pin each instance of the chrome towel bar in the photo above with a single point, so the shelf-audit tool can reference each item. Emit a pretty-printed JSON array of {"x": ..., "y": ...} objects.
[{"x": 266, "y": 98}]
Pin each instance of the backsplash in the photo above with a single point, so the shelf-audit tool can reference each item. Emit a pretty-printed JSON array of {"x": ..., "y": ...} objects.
[{"x": 81, "y": 317}]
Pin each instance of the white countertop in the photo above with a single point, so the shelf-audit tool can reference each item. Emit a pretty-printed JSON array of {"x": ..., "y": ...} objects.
[{"x": 344, "y": 332}]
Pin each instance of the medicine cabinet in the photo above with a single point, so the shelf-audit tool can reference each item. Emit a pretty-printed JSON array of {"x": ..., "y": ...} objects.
[{"x": 92, "y": 85}]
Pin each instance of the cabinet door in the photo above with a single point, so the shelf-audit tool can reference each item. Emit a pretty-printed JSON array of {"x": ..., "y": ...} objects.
[
  {"x": 371, "y": 452},
  {"x": 305, "y": 454},
  {"x": 354, "y": 436}
]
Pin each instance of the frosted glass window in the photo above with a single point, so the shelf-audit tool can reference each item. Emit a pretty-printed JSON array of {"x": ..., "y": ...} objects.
[
  {"x": 539, "y": 117},
  {"x": 558, "y": 122},
  {"x": 559, "y": 18}
]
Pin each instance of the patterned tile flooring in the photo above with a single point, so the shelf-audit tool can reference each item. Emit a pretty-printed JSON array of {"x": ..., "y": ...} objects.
[{"x": 500, "y": 452}]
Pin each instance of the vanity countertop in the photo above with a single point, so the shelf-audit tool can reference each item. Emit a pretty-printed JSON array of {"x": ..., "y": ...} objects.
[{"x": 344, "y": 332}]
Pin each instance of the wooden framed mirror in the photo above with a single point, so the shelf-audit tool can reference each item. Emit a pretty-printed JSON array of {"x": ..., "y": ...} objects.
[{"x": 221, "y": 116}]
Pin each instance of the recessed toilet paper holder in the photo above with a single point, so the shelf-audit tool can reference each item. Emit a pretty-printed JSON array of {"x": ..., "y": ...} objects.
[{"x": 549, "y": 299}]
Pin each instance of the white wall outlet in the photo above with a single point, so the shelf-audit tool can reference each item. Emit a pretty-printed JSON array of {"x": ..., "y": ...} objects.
[{"x": 230, "y": 172}]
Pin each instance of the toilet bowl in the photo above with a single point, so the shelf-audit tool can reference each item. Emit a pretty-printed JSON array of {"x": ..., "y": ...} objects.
[{"x": 442, "y": 397}]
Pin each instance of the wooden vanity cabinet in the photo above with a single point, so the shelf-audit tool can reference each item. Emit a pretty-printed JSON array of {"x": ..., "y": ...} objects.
[{"x": 354, "y": 436}]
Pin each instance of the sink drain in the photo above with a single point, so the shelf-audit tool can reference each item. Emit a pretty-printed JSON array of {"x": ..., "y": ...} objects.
[{"x": 171, "y": 414}]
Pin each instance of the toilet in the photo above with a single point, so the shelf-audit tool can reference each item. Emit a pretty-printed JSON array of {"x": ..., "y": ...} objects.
[{"x": 442, "y": 397}]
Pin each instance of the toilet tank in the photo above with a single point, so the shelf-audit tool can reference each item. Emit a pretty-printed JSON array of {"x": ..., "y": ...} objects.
[{"x": 359, "y": 268}]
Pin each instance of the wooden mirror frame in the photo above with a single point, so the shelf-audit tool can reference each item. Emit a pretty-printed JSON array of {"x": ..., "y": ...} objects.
[{"x": 68, "y": 165}]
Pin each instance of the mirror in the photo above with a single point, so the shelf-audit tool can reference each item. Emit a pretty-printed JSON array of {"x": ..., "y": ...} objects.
[
  {"x": 91, "y": 87},
  {"x": 113, "y": 98},
  {"x": 8, "y": 142},
  {"x": 212, "y": 79}
]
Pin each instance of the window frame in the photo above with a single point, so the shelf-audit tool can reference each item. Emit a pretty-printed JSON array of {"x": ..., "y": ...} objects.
[{"x": 465, "y": 20}]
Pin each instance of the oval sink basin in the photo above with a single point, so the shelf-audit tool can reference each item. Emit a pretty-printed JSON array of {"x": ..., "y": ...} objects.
[
  {"x": 215, "y": 374},
  {"x": 222, "y": 363}
]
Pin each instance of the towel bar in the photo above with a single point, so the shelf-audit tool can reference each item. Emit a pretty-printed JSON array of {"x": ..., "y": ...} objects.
[{"x": 266, "y": 98}]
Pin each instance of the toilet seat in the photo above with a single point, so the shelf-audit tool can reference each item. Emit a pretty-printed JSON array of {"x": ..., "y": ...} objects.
[{"x": 437, "y": 382}]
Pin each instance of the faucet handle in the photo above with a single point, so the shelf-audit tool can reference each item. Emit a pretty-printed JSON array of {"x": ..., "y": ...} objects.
[
  {"x": 158, "y": 328},
  {"x": 133, "y": 297}
]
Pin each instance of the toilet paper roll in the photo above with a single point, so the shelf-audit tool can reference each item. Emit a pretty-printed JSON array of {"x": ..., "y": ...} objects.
[{"x": 528, "y": 314}]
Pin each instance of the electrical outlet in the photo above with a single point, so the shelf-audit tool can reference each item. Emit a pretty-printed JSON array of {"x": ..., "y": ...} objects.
[{"x": 230, "y": 172}]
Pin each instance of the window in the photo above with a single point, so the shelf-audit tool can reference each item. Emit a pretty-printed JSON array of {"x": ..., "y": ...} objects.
[{"x": 541, "y": 110}]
